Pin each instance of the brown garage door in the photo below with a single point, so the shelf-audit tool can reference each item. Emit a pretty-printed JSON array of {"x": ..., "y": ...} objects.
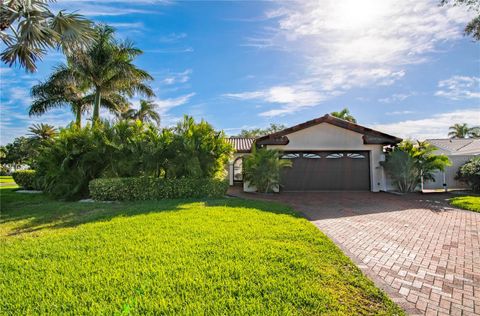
[{"x": 327, "y": 171}]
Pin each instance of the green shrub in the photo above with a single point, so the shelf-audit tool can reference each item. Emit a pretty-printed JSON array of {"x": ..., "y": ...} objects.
[
  {"x": 150, "y": 188},
  {"x": 262, "y": 169},
  {"x": 409, "y": 162},
  {"x": 129, "y": 149},
  {"x": 470, "y": 173},
  {"x": 25, "y": 178}
]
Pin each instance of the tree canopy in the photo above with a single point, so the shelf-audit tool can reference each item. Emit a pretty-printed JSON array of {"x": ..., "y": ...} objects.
[
  {"x": 463, "y": 131},
  {"x": 473, "y": 27},
  {"x": 28, "y": 28},
  {"x": 259, "y": 132},
  {"x": 344, "y": 115}
]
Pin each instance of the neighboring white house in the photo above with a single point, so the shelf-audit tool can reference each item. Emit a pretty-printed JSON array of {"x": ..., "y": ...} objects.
[
  {"x": 459, "y": 151},
  {"x": 328, "y": 154}
]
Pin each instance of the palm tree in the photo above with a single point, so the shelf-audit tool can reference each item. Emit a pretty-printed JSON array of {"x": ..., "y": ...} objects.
[
  {"x": 63, "y": 88},
  {"x": 28, "y": 28},
  {"x": 108, "y": 68},
  {"x": 474, "y": 132},
  {"x": 147, "y": 112},
  {"x": 262, "y": 168},
  {"x": 42, "y": 131},
  {"x": 344, "y": 115},
  {"x": 459, "y": 131},
  {"x": 125, "y": 112}
]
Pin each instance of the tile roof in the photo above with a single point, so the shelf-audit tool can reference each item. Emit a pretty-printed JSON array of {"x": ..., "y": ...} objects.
[
  {"x": 457, "y": 146},
  {"x": 241, "y": 144}
]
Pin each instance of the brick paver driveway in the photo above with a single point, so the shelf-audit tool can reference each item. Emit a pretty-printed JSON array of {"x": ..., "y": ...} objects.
[{"x": 423, "y": 253}]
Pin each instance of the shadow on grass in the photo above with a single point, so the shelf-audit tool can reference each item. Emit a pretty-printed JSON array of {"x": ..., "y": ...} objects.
[{"x": 36, "y": 212}]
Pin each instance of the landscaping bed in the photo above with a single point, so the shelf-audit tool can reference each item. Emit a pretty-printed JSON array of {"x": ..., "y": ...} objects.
[{"x": 221, "y": 256}]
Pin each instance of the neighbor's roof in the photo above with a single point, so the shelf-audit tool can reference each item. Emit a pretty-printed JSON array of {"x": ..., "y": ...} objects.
[
  {"x": 370, "y": 136},
  {"x": 457, "y": 146},
  {"x": 241, "y": 144}
]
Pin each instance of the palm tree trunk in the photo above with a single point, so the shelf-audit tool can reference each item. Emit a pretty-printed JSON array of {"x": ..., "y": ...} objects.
[
  {"x": 78, "y": 118},
  {"x": 96, "y": 107}
]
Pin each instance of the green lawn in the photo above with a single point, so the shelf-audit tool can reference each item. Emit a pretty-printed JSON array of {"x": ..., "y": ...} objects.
[
  {"x": 7, "y": 182},
  {"x": 471, "y": 203},
  {"x": 225, "y": 257}
]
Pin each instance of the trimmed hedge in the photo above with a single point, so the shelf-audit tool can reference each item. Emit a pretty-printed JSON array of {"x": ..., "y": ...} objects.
[
  {"x": 150, "y": 188},
  {"x": 25, "y": 179}
]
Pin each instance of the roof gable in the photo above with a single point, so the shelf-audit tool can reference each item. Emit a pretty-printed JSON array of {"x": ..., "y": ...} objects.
[{"x": 370, "y": 136}]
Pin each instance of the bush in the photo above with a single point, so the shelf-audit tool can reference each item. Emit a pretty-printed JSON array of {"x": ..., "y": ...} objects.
[
  {"x": 409, "y": 162},
  {"x": 25, "y": 178},
  {"x": 4, "y": 171},
  {"x": 470, "y": 173},
  {"x": 129, "y": 149},
  {"x": 150, "y": 188},
  {"x": 262, "y": 169}
]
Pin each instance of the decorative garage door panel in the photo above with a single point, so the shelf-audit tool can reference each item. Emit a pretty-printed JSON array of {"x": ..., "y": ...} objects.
[{"x": 326, "y": 171}]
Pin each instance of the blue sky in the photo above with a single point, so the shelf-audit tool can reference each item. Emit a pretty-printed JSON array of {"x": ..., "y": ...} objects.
[{"x": 402, "y": 67}]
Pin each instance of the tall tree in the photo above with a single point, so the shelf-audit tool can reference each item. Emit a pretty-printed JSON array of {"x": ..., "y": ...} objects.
[
  {"x": 42, "y": 131},
  {"x": 65, "y": 88},
  {"x": 462, "y": 131},
  {"x": 474, "y": 132},
  {"x": 28, "y": 28},
  {"x": 344, "y": 115},
  {"x": 107, "y": 67},
  {"x": 258, "y": 132},
  {"x": 146, "y": 112},
  {"x": 473, "y": 27}
]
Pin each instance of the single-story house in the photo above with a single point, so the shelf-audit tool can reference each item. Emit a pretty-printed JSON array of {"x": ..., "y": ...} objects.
[
  {"x": 328, "y": 154},
  {"x": 459, "y": 151}
]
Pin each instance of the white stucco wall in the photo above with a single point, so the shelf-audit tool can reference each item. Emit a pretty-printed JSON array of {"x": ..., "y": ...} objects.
[
  {"x": 327, "y": 137},
  {"x": 450, "y": 173}
]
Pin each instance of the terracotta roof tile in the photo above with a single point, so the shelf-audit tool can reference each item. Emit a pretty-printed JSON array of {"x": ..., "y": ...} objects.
[{"x": 241, "y": 144}]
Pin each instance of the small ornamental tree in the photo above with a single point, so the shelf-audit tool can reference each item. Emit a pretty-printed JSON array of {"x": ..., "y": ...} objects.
[
  {"x": 470, "y": 173},
  {"x": 262, "y": 169},
  {"x": 409, "y": 162}
]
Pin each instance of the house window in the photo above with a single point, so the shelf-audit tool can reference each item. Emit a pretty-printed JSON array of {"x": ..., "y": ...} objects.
[
  {"x": 290, "y": 156},
  {"x": 311, "y": 156},
  {"x": 355, "y": 156},
  {"x": 334, "y": 156}
]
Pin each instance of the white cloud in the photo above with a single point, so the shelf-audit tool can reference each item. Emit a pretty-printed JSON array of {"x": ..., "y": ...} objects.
[
  {"x": 172, "y": 37},
  {"x": 106, "y": 7},
  {"x": 5, "y": 70},
  {"x": 291, "y": 98},
  {"x": 435, "y": 126},
  {"x": 378, "y": 34},
  {"x": 170, "y": 50},
  {"x": 352, "y": 43},
  {"x": 400, "y": 112},
  {"x": 128, "y": 25},
  {"x": 395, "y": 97},
  {"x": 164, "y": 105},
  {"x": 18, "y": 96},
  {"x": 459, "y": 87},
  {"x": 178, "y": 77}
]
